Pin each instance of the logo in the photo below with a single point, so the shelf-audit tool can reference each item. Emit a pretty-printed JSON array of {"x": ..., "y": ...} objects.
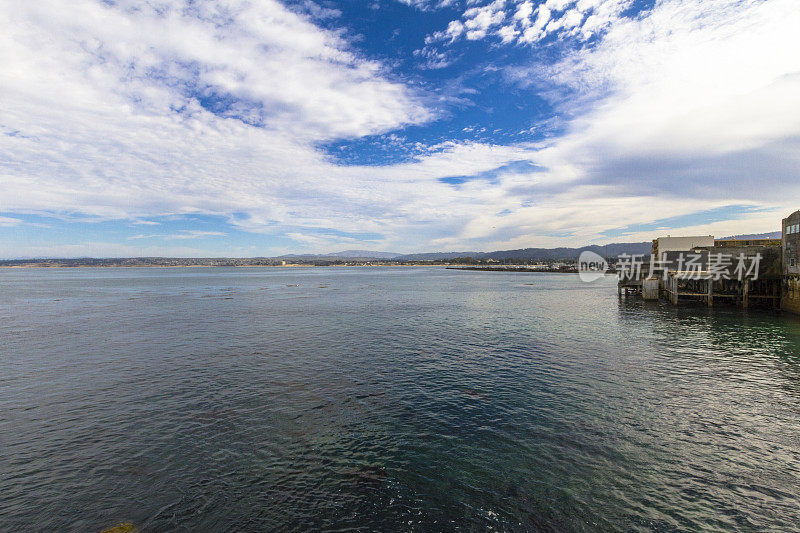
[{"x": 591, "y": 266}]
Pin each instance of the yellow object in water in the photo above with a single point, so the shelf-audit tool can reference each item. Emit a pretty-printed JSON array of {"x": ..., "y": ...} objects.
[{"x": 125, "y": 527}]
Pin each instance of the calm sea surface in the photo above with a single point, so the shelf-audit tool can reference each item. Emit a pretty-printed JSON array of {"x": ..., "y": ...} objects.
[{"x": 390, "y": 399}]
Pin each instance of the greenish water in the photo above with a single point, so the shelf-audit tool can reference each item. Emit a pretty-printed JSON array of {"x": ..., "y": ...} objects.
[{"x": 413, "y": 399}]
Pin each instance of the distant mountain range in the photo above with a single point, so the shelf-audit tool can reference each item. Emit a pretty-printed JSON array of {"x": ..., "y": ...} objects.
[
  {"x": 771, "y": 235},
  {"x": 543, "y": 254},
  {"x": 346, "y": 254},
  {"x": 529, "y": 254},
  {"x": 366, "y": 253},
  {"x": 537, "y": 254},
  {"x": 540, "y": 254}
]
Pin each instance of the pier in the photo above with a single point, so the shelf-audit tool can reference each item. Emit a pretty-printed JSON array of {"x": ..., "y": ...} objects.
[
  {"x": 790, "y": 232},
  {"x": 741, "y": 293},
  {"x": 702, "y": 270}
]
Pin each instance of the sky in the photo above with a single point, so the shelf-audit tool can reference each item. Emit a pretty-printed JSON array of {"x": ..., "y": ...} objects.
[{"x": 266, "y": 127}]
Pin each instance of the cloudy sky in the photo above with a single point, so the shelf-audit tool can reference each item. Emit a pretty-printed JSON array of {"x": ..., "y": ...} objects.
[{"x": 261, "y": 127}]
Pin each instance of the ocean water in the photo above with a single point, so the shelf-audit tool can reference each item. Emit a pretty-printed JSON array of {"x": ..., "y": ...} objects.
[{"x": 387, "y": 399}]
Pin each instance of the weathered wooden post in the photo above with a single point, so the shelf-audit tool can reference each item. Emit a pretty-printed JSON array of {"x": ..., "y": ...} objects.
[
  {"x": 674, "y": 286},
  {"x": 745, "y": 293},
  {"x": 710, "y": 297}
]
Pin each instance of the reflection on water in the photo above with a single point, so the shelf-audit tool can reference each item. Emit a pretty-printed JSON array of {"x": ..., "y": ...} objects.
[{"x": 386, "y": 399}]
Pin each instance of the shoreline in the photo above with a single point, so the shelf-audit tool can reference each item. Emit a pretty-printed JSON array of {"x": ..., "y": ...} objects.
[
  {"x": 46, "y": 267},
  {"x": 512, "y": 269}
]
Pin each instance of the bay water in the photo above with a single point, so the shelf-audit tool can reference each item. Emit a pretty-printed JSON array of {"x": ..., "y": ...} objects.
[{"x": 388, "y": 399}]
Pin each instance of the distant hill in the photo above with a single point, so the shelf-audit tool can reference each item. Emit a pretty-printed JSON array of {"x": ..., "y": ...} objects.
[
  {"x": 364, "y": 253},
  {"x": 771, "y": 235},
  {"x": 367, "y": 256},
  {"x": 346, "y": 254},
  {"x": 540, "y": 254},
  {"x": 435, "y": 256}
]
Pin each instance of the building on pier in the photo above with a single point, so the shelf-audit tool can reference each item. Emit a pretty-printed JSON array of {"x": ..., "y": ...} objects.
[
  {"x": 738, "y": 243},
  {"x": 775, "y": 283},
  {"x": 790, "y": 233},
  {"x": 745, "y": 273},
  {"x": 666, "y": 244}
]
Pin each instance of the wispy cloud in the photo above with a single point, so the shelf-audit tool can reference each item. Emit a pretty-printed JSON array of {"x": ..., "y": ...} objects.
[
  {"x": 427, "y": 5},
  {"x": 9, "y": 222},
  {"x": 102, "y": 249},
  {"x": 195, "y": 234},
  {"x": 181, "y": 235}
]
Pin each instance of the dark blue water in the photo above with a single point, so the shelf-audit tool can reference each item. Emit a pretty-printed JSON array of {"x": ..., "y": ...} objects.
[{"x": 413, "y": 399}]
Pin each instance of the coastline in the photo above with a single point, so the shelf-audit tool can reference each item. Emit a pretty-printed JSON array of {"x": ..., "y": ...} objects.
[
  {"x": 45, "y": 267},
  {"x": 512, "y": 269}
]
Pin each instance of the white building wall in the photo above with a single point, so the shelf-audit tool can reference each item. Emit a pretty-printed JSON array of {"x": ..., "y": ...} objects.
[{"x": 683, "y": 244}]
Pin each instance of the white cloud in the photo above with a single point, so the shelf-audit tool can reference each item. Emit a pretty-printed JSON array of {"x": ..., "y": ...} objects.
[
  {"x": 571, "y": 18},
  {"x": 507, "y": 33},
  {"x": 478, "y": 20},
  {"x": 584, "y": 18},
  {"x": 535, "y": 32},
  {"x": 523, "y": 13},
  {"x": 454, "y": 30},
  {"x": 709, "y": 78}
]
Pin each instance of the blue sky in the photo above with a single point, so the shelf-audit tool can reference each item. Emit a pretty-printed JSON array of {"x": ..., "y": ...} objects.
[{"x": 260, "y": 127}]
